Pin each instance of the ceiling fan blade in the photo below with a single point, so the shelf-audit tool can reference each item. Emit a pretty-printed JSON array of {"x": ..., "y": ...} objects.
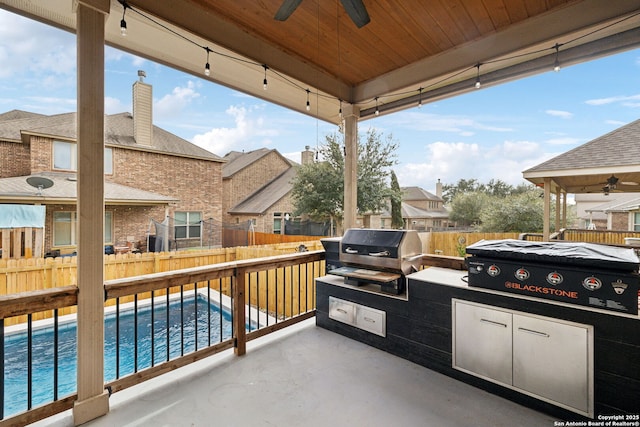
[
  {"x": 286, "y": 9},
  {"x": 357, "y": 12}
]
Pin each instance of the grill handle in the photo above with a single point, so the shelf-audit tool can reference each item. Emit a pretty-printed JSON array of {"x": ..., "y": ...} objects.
[
  {"x": 380, "y": 254},
  {"x": 351, "y": 251}
]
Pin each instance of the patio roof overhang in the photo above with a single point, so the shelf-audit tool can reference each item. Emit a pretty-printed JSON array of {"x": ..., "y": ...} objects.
[{"x": 410, "y": 52}]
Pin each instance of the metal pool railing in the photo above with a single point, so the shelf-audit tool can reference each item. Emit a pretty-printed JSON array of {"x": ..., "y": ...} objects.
[{"x": 174, "y": 318}]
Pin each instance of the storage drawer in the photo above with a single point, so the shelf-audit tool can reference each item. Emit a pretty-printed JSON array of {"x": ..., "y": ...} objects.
[
  {"x": 371, "y": 320},
  {"x": 342, "y": 311},
  {"x": 362, "y": 317}
]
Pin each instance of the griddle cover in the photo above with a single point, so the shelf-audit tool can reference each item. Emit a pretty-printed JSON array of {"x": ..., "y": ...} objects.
[{"x": 583, "y": 254}]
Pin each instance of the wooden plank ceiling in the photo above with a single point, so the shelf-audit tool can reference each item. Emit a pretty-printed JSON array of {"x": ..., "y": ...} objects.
[{"x": 411, "y": 50}]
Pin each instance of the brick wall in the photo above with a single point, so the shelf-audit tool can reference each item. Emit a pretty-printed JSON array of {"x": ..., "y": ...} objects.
[
  {"x": 248, "y": 181},
  {"x": 14, "y": 159},
  {"x": 620, "y": 221}
]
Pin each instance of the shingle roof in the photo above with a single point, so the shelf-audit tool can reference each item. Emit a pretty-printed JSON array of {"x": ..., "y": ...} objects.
[
  {"x": 260, "y": 201},
  {"x": 118, "y": 132},
  {"x": 417, "y": 193},
  {"x": 617, "y": 148},
  {"x": 65, "y": 189},
  {"x": 236, "y": 161}
]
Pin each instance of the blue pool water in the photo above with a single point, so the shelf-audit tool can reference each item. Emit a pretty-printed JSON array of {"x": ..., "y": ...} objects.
[{"x": 15, "y": 387}]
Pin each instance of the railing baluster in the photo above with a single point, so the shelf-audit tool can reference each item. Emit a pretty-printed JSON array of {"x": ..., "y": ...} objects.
[
  {"x": 220, "y": 306},
  {"x": 195, "y": 314},
  {"x": 168, "y": 328},
  {"x": 135, "y": 333},
  {"x": 209, "y": 312},
  {"x": 153, "y": 329},
  {"x": 267, "y": 308},
  {"x": 181, "y": 320},
  {"x": 249, "y": 300},
  {"x": 29, "y": 361},
  {"x": 276, "y": 284},
  {"x": 55, "y": 354},
  {"x": 117, "y": 337}
]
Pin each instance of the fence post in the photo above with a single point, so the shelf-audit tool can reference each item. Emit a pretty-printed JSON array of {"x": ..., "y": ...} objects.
[{"x": 240, "y": 339}]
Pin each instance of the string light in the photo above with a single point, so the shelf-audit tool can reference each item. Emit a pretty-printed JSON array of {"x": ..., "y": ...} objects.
[
  {"x": 123, "y": 23},
  {"x": 556, "y": 64},
  {"x": 340, "y": 110},
  {"x": 264, "y": 82},
  {"x": 123, "y": 31},
  {"x": 207, "y": 67}
]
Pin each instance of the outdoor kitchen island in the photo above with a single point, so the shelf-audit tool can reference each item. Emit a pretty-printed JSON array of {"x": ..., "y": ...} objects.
[{"x": 591, "y": 371}]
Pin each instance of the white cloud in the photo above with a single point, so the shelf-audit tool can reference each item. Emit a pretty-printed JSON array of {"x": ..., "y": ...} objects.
[
  {"x": 623, "y": 100},
  {"x": 559, "y": 113},
  {"x": 114, "y": 106},
  {"x": 451, "y": 162},
  {"x": 615, "y": 122},
  {"x": 461, "y": 125},
  {"x": 563, "y": 141},
  {"x": 248, "y": 132},
  {"x": 172, "y": 104}
]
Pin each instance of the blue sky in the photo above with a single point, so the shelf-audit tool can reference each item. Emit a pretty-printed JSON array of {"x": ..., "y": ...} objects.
[{"x": 495, "y": 132}]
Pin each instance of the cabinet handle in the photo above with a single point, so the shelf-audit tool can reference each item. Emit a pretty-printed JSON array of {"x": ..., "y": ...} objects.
[
  {"x": 531, "y": 331},
  {"x": 368, "y": 319},
  {"x": 339, "y": 310},
  {"x": 493, "y": 322}
]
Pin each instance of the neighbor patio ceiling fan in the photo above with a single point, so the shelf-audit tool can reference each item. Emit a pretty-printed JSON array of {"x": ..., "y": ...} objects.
[{"x": 354, "y": 8}]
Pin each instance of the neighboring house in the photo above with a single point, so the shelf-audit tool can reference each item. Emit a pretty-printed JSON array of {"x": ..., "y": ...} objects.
[
  {"x": 421, "y": 210},
  {"x": 617, "y": 211},
  {"x": 150, "y": 174},
  {"x": 257, "y": 188}
]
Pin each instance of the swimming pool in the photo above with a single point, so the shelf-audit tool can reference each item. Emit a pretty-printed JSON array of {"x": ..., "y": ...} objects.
[{"x": 16, "y": 345}]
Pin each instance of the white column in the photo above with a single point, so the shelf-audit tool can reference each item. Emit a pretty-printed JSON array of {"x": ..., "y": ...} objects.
[
  {"x": 546, "y": 220},
  {"x": 93, "y": 400},
  {"x": 558, "y": 213},
  {"x": 351, "y": 114}
]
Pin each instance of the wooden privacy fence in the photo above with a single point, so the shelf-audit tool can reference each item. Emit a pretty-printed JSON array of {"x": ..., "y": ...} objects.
[
  {"x": 453, "y": 243},
  {"x": 21, "y": 242},
  {"x": 27, "y": 275}
]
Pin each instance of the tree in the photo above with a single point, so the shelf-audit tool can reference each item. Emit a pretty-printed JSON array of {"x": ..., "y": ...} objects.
[
  {"x": 396, "y": 203},
  {"x": 521, "y": 213},
  {"x": 318, "y": 188},
  {"x": 467, "y": 207}
]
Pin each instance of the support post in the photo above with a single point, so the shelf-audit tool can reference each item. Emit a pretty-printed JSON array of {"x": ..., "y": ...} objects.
[
  {"x": 239, "y": 317},
  {"x": 93, "y": 400},
  {"x": 546, "y": 215},
  {"x": 351, "y": 115}
]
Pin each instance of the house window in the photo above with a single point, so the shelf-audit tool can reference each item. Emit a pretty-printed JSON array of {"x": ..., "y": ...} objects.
[
  {"x": 65, "y": 157},
  {"x": 636, "y": 221},
  {"x": 279, "y": 219},
  {"x": 188, "y": 225},
  {"x": 65, "y": 228}
]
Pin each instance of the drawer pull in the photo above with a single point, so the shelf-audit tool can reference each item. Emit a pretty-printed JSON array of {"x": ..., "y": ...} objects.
[
  {"x": 340, "y": 310},
  {"x": 368, "y": 319},
  {"x": 493, "y": 322},
  {"x": 531, "y": 331}
]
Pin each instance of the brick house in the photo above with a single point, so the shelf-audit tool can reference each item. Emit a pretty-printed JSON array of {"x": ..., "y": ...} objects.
[
  {"x": 150, "y": 174},
  {"x": 421, "y": 210},
  {"x": 257, "y": 188},
  {"x": 616, "y": 211}
]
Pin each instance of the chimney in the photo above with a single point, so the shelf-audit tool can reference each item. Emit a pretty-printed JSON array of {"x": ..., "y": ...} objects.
[
  {"x": 439, "y": 188},
  {"x": 142, "y": 114},
  {"x": 307, "y": 156}
]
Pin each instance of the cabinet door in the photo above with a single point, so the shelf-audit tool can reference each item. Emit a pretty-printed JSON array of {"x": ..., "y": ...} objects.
[
  {"x": 482, "y": 342},
  {"x": 553, "y": 360}
]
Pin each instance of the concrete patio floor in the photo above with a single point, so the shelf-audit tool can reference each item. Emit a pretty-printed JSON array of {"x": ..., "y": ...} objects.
[{"x": 308, "y": 376}]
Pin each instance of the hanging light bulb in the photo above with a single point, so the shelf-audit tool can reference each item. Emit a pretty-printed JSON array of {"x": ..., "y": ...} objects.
[
  {"x": 123, "y": 23},
  {"x": 340, "y": 110},
  {"x": 264, "y": 82},
  {"x": 308, "y": 104},
  {"x": 207, "y": 67},
  {"x": 420, "y": 98},
  {"x": 478, "y": 84},
  {"x": 556, "y": 64},
  {"x": 377, "y": 109}
]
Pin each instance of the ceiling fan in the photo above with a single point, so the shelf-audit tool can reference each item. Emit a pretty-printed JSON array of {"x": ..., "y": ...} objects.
[
  {"x": 354, "y": 8},
  {"x": 613, "y": 184}
]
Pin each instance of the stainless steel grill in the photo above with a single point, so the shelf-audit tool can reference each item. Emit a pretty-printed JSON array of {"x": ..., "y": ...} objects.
[{"x": 379, "y": 257}]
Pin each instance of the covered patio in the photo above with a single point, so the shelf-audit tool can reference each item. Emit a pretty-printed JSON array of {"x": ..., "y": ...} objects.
[{"x": 318, "y": 63}]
